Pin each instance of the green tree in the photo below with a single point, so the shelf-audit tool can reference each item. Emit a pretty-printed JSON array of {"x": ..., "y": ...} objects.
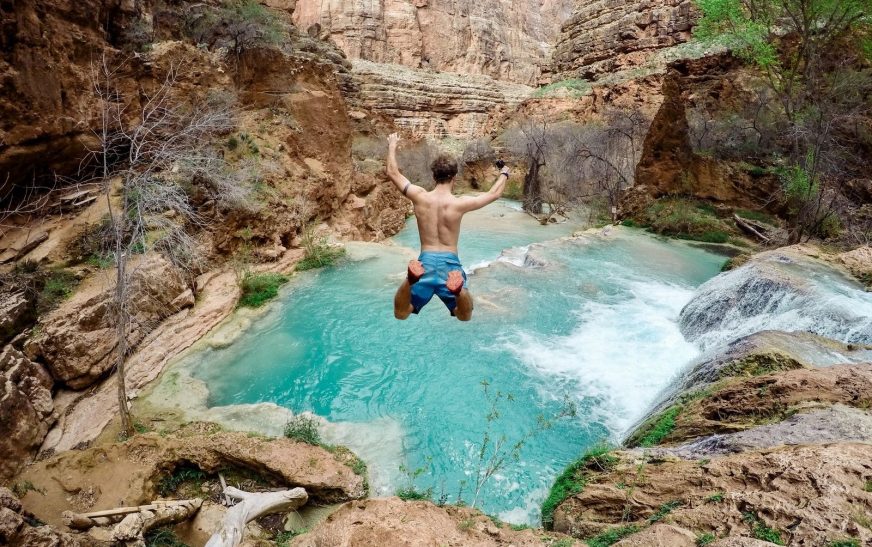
[{"x": 814, "y": 56}]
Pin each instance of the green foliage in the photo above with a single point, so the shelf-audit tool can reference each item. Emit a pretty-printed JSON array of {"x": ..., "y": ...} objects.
[
  {"x": 850, "y": 542},
  {"x": 20, "y": 489},
  {"x": 573, "y": 479},
  {"x": 664, "y": 510},
  {"x": 57, "y": 287},
  {"x": 715, "y": 498},
  {"x": 169, "y": 484},
  {"x": 704, "y": 539},
  {"x": 304, "y": 428},
  {"x": 466, "y": 524},
  {"x": 868, "y": 486},
  {"x": 686, "y": 219},
  {"x": 611, "y": 536},
  {"x": 760, "y": 531},
  {"x": 519, "y": 527},
  {"x": 140, "y": 427},
  {"x": 630, "y": 223},
  {"x": 562, "y": 542},
  {"x": 257, "y": 289},
  {"x": 514, "y": 189},
  {"x": 410, "y": 493},
  {"x": 572, "y": 87},
  {"x": 236, "y": 24},
  {"x": 659, "y": 429},
  {"x": 283, "y": 538},
  {"x": 319, "y": 253},
  {"x": 830, "y": 226},
  {"x": 163, "y": 537}
]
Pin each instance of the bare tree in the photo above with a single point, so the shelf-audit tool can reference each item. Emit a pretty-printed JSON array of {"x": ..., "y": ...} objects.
[
  {"x": 150, "y": 149},
  {"x": 529, "y": 141}
]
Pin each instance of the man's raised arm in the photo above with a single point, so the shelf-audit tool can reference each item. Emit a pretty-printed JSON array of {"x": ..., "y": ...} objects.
[
  {"x": 479, "y": 201},
  {"x": 393, "y": 171}
]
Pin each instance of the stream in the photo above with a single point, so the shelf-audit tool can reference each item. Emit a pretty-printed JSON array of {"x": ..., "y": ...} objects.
[{"x": 592, "y": 318}]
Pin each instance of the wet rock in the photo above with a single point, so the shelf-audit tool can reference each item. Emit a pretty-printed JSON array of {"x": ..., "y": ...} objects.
[
  {"x": 838, "y": 423},
  {"x": 743, "y": 403},
  {"x": 785, "y": 289},
  {"x": 27, "y": 410},
  {"x": 128, "y": 473},
  {"x": 77, "y": 340},
  {"x": 810, "y": 495},
  {"x": 760, "y": 353}
]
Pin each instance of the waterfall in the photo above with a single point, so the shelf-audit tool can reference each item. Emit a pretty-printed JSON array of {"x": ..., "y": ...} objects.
[{"x": 781, "y": 290}]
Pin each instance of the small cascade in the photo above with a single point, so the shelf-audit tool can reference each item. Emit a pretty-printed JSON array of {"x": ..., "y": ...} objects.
[{"x": 782, "y": 290}]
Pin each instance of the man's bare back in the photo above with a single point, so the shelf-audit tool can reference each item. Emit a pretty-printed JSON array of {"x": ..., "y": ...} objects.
[{"x": 438, "y": 213}]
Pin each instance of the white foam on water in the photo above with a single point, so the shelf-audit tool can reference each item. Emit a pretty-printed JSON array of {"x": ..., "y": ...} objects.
[
  {"x": 516, "y": 256},
  {"x": 620, "y": 355}
]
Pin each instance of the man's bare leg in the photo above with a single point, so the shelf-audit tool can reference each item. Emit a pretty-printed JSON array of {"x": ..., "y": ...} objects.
[
  {"x": 463, "y": 310},
  {"x": 403, "y": 299}
]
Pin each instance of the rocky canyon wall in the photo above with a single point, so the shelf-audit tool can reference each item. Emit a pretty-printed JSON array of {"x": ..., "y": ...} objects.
[
  {"x": 432, "y": 104},
  {"x": 607, "y": 36},
  {"x": 498, "y": 38}
]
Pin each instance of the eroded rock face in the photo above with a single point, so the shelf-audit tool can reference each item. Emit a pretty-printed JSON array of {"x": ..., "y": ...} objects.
[
  {"x": 26, "y": 407},
  {"x": 128, "y": 473},
  {"x": 391, "y": 522},
  {"x": 497, "y": 38},
  {"x": 77, "y": 341},
  {"x": 810, "y": 495},
  {"x": 16, "y": 528},
  {"x": 605, "y": 36},
  {"x": 430, "y": 103}
]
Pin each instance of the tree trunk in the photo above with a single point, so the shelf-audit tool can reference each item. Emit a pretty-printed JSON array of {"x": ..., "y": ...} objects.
[
  {"x": 252, "y": 506},
  {"x": 532, "y": 188},
  {"x": 122, "y": 319}
]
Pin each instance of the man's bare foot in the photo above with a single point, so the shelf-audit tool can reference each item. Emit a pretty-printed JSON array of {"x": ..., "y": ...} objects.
[
  {"x": 415, "y": 271},
  {"x": 455, "y": 282}
]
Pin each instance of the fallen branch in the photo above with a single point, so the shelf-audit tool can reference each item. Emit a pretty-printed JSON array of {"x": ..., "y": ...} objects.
[
  {"x": 253, "y": 505},
  {"x": 83, "y": 521},
  {"x": 749, "y": 228},
  {"x": 131, "y": 530}
]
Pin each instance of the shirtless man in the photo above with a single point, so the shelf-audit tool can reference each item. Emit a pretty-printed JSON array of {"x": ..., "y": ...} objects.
[{"x": 438, "y": 212}]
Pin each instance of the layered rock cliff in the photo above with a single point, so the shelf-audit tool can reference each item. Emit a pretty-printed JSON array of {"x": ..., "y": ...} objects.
[
  {"x": 433, "y": 104},
  {"x": 605, "y": 36},
  {"x": 501, "y": 39}
]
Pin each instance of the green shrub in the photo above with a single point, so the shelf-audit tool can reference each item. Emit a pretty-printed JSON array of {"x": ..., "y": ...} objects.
[
  {"x": 705, "y": 539},
  {"x": 715, "y": 498},
  {"x": 258, "y": 288},
  {"x": 575, "y": 87},
  {"x": 58, "y": 286},
  {"x": 573, "y": 479},
  {"x": 514, "y": 190},
  {"x": 304, "y": 428},
  {"x": 653, "y": 432},
  {"x": 687, "y": 219},
  {"x": 844, "y": 543},
  {"x": 758, "y": 216},
  {"x": 410, "y": 493},
  {"x": 611, "y": 536},
  {"x": 319, "y": 253},
  {"x": 163, "y": 537},
  {"x": 868, "y": 486},
  {"x": 169, "y": 484},
  {"x": 664, "y": 510}
]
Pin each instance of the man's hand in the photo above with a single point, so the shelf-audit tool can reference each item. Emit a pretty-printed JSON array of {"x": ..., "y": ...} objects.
[{"x": 393, "y": 139}]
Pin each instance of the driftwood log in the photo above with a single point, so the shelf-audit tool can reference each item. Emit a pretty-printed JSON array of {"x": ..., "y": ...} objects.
[
  {"x": 751, "y": 228},
  {"x": 253, "y": 505},
  {"x": 129, "y": 524}
]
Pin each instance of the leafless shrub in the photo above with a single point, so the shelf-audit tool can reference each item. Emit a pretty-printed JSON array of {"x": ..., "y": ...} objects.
[{"x": 414, "y": 160}]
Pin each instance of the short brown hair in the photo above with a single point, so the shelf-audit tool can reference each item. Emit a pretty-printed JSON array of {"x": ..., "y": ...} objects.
[{"x": 444, "y": 168}]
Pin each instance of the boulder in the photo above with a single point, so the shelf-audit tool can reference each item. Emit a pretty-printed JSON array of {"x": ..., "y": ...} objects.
[
  {"x": 16, "y": 528},
  {"x": 27, "y": 410},
  {"x": 77, "y": 340}
]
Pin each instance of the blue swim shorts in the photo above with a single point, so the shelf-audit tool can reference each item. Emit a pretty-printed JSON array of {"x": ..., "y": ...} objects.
[{"x": 437, "y": 264}]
